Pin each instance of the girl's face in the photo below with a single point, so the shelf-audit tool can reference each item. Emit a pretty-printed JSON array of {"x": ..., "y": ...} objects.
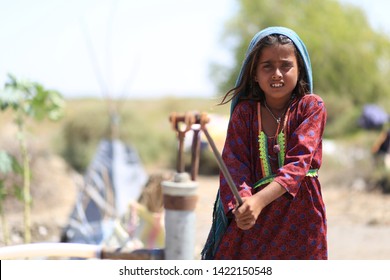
[{"x": 277, "y": 71}]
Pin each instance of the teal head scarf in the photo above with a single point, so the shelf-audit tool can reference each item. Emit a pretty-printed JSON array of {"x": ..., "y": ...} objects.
[{"x": 264, "y": 33}]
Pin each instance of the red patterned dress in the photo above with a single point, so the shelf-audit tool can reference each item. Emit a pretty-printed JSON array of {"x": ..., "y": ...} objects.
[{"x": 294, "y": 225}]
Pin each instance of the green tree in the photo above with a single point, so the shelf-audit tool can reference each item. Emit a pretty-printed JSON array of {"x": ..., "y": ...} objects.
[
  {"x": 28, "y": 100},
  {"x": 350, "y": 60}
]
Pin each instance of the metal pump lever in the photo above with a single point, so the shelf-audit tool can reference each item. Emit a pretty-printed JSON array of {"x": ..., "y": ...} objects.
[{"x": 203, "y": 119}]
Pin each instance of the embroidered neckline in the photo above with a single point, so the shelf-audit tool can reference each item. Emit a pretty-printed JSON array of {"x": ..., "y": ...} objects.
[
  {"x": 280, "y": 142},
  {"x": 268, "y": 177},
  {"x": 264, "y": 155},
  {"x": 263, "y": 149}
]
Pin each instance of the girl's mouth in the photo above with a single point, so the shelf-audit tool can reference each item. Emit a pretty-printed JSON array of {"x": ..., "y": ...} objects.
[{"x": 277, "y": 85}]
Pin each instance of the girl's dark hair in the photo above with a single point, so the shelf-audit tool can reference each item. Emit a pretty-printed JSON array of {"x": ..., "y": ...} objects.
[{"x": 249, "y": 88}]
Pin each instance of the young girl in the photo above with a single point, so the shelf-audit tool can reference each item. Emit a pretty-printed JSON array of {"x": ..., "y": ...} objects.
[{"x": 273, "y": 151}]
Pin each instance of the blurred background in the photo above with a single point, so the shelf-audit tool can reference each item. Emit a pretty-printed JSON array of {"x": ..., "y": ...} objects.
[{"x": 118, "y": 69}]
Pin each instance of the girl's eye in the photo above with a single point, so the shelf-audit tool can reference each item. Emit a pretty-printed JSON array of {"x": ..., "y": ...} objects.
[{"x": 287, "y": 65}]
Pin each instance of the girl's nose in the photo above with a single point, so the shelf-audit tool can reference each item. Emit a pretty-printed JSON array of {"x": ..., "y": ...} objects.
[{"x": 277, "y": 75}]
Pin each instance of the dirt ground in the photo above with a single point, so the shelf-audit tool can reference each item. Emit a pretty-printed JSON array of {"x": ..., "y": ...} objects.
[{"x": 358, "y": 220}]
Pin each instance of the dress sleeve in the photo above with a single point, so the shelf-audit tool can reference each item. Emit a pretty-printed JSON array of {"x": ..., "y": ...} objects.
[
  {"x": 304, "y": 143},
  {"x": 237, "y": 154}
]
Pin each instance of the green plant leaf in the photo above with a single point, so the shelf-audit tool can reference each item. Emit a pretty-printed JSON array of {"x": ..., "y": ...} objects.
[
  {"x": 10, "y": 97},
  {"x": 31, "y": 99},
  {"x": 18, "y": 192},
  {"x": 5, "y": 162},
  {"x": 8, "y": 164}
]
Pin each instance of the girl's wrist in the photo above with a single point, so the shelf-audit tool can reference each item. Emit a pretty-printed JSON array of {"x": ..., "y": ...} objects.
[{"x": 270, "y": 193}]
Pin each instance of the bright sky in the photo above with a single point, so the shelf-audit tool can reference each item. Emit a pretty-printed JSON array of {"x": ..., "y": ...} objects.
[
  {"x": 129, "y": 48},
  {"x": 144, "y": 48}
]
